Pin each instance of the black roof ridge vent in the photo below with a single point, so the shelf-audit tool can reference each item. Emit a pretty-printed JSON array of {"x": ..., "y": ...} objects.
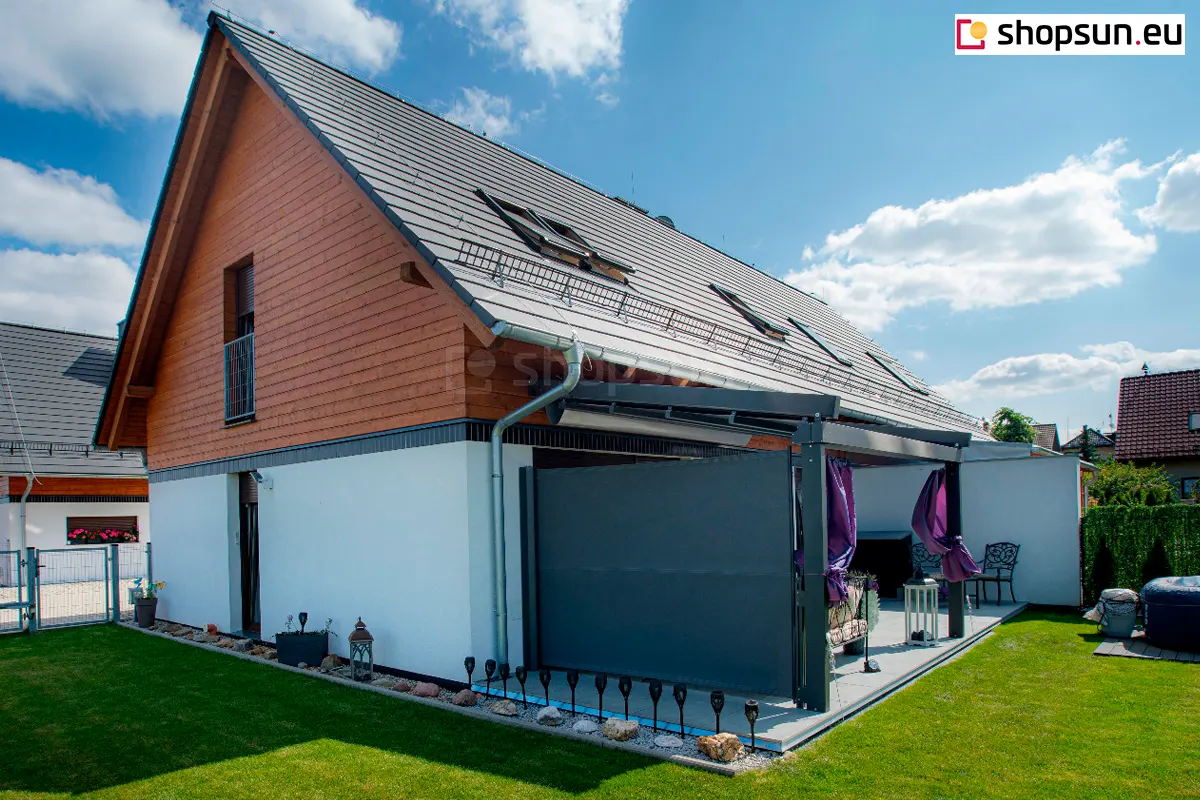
[
  {"x": 628, "y": 204},
  {"x": 665, "y": 220}
]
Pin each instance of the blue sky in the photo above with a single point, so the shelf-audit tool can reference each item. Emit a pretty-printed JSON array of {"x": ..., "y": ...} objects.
[{"x": 1019, "y": 231}]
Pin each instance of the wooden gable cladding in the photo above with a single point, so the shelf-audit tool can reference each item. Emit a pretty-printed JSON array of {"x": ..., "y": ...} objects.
[{"x": 343, "y": 345}]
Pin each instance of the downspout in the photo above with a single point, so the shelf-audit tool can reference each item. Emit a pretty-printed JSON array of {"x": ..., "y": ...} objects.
[
  {"x": 24, "y": 497},
  {"x": 574, "y": 353}
]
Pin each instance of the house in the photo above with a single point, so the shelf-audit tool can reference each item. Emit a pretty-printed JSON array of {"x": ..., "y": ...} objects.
[
  {"x": 1104, "y": 444},
  {"x": 1158, "y": 422},
  {"x": 51, "y": 386},
  {"x": 385, "y": 367},
  {"x": 1046, "y": 437}
]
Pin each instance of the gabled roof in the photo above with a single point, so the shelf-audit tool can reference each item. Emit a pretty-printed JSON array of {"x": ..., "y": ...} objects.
[
  {"x": 1152, "y": 416},
  {"x": 1097, "y": 438},
  {"x": 1046, "y": 435},
  {"x": 51, "y": 386},
  {"x": 438, "y": 183}
]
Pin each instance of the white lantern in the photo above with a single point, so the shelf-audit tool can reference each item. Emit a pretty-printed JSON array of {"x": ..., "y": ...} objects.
[{"x": 921, "y": 612}]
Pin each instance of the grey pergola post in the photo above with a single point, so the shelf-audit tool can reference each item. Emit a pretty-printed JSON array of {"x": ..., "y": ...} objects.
[
  {"x": 957, "y": 592},
  {"x": 812, "y": 689}
]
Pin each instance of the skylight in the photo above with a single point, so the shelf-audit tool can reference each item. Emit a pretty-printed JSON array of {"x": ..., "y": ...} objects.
[
  {"x": 897, "y": 374},
  {"x": 556, "y": 239},
  {"x": 820, "y": 342},
  {"x": 759, "y": 322}
]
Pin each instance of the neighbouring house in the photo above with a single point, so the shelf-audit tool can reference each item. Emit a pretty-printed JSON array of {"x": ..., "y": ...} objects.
[
  {"x": 1046, "y": 437},
  {"x": 1104, "y": 444},
  {"x": 51, "y": 386},
  {"x": 384, "y": 366},
  {"x": 1158, "y": 422}
]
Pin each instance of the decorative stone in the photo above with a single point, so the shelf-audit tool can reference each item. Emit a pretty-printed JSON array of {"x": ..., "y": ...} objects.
[
  {"x": 723, "y": 747},
  {"x": 384, "y": 682},
  {"x": 203, "y": 638},
  {"x": 464, "y": 698},
  {"x": 302, "y": 665},
  {"x": 667, "y": 741},
  {"x": 425, "y": 690},
  {"x": 178, "y": 630},
  {"x": 619, "y": 730},
  {"x": 259, "y": 650},
  {"x": 242, "y": 645},
  {"x": 505, "y": 708},
  {"x": 331, "y": 662},
  {"x": 403, "y": 686},
  {"x": 585, "y": 726},
  {"x": 550, "y": 715},
  {"x": 225, "y": 643}
]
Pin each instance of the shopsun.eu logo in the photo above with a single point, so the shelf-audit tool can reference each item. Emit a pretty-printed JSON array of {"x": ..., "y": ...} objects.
[{"x": 1069, "y": 34}]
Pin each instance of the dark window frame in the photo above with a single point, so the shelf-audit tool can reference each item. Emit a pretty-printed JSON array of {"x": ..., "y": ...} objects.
[
  {"x": 1183, "y": 484},
  {"x": 238, "y": 350},
  {"x": 820, "y": 342},
  {"x": 1194, "y": 420},
  {"x": 897, "y": 374},
  {"x": 760, "y": 323},
  {"x": 555, "y": 238}
]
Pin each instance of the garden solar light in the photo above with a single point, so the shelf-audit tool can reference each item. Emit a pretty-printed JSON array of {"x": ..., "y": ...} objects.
[
  {"x": 625, "y": 684},
  {"x": 489, "y": 669},
  {"x": 717, "y": 699},
  {"x": 601, "y": 685},
  {"x": 751, "y": 717},
  {"x": 655, "y": 694},
  {"x": 504, "y": 673},
  {"x": 572, "y": 681},
  {"x": 303, "y": 620},
  {"x": 469, "y": 663},
  {"x": 522, "y": 674},
  {"x": 544, "y": 677},
  {"x": 680, "y": 693}
]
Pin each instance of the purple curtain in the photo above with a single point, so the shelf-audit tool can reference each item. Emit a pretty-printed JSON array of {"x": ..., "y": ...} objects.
[
  {"x": 842, "y": 526},
  {"x": 929, "y": 524}
]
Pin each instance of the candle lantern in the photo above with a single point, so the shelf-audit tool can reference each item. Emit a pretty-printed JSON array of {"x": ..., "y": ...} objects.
[
  {"x": 921, "y": 611},
  {"x": 362, "y": 659}
]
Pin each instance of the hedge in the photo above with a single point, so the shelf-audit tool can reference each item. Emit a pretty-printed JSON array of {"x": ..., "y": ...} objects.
[{"x": 1128, "y": 546}]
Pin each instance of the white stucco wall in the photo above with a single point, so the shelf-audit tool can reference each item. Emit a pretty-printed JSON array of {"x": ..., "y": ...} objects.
[
  {"x": 195, "y": 550},
  {"x": 401, "y": 538},
  {"x": 1033, "y": 502},
  {"x": 46, "y": 529}
]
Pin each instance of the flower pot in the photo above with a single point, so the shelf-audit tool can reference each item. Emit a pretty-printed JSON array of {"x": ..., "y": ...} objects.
[
  {"x": 144, "y": 610},
  {"x": 296, "y": 648}
]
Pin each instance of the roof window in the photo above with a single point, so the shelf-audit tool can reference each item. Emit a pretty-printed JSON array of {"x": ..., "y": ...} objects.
[
  {"x": 758, "y": 321},
  {"x": 820, "y": 342},
  {"x": 1194, "y": 421},
  {"x": 556, "y": 239},
  {"x": 893, "y": 368}
]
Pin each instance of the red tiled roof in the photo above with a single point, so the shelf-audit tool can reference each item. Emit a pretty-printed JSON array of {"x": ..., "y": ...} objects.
[{"x": 1152, "y": 416}]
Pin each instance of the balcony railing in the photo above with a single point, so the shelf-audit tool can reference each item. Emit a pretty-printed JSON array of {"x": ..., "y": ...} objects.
[{"x": 239, "y": 378}]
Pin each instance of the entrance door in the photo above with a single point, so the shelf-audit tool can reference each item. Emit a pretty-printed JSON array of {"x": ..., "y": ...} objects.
[
  {"x": 248, "y": 539},
  {"x": 680, "y": 571}
]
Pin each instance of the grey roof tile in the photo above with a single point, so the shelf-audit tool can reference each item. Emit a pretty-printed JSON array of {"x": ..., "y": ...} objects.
[{"x": 425, "y": 172}]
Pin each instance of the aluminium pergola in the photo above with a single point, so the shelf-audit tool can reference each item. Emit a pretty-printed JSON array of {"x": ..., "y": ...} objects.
[{"x": 818, "y": 425}]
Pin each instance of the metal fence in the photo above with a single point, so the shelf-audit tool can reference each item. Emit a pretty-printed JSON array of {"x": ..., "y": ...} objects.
[
  {"x": 133, "y": 562},
  {"x": 239, "y": 378},
  {"x": 73, "y": 587},
  {"x": 12, "y": 591}
]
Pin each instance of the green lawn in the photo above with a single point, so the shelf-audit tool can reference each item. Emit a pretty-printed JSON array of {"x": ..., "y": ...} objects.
[{"x": 109, "y": 712}]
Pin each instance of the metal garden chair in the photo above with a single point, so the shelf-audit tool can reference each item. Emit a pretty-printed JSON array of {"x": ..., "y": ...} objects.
[{"x": 999, "y": 563}]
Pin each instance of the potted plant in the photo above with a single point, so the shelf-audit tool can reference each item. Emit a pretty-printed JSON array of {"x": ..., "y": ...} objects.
[
  {"x": 295, "y": 647},
  {"x": 145, "y": 601}
]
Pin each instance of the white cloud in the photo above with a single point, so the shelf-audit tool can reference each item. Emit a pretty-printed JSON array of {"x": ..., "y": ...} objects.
[
  {"x": 81, "y": 292},
  {"x": 341, "y": 30},
  {"x": 1099, "y": 368},
  {"x": 60, "y": 206},
  {"x": 557, "y": 37},
  {"x": 918, "y": 355},
  {"x": 1177, "y": 206},
  {"x": 1051, "y": 236},
  {"x": 489, "y": 114},
  {"x": 102, "y": 57}
]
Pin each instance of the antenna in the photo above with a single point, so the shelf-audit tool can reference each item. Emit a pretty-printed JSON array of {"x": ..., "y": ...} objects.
[{"x": 632, "y": 187}]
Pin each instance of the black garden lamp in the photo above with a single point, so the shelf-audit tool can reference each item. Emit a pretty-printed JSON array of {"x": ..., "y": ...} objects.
[
  {"x": 752, "y": 717},
  {"x": 303, "y": 617},
  {"x": 717, "y": 699},
  {"x": 601, "y": 685},
  {"x": 655, "y": 695},
  {"x": 572, "y": 681},
  {"x": 544, "y": 677},
  {"x": 469, "y": 664},
  {"x": 680, "y": 693},
  {"x": 504, "y": 673},
  {"x": 489, "y": 669},
  {"x": 362, "y": 660},
  {"x": 625, "y": 685},
  {"x": 522, "y": 674}
]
